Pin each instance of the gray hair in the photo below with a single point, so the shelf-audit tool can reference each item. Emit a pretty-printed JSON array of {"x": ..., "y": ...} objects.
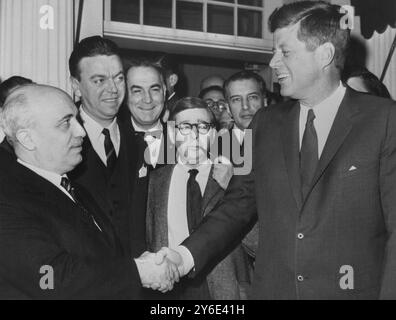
[{"x": 16, "y": 114}]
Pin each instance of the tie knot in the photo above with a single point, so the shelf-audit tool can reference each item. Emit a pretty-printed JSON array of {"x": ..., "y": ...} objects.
[
  {"x": 106, "y": 132},
  {"x": 311, "y": 115},
  {"x": 193, "y": 172},
  {"x": 65, "y": 183}
]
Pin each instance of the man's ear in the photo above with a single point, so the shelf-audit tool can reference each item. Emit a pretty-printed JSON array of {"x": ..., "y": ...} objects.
[
  {"x": 24, "y": 137},
  {"x": 76, "y": 86},
  {"x": 325, "y": 54},
  {"x": 173, "y": 78}
]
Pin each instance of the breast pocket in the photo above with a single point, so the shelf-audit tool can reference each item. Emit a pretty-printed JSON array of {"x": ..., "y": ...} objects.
[{"x": 360, "y": 169}]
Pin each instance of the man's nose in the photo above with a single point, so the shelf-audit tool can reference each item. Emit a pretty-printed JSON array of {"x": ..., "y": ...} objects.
[
  {"x": 111, "y": 86},
  {"x": 274, "y": 63},
  {"x": 245, "y": 104},
  {"x": 78, "y": 129},
  {"x": 147, "y": 97},
  {"x": 194, "y": 132}
]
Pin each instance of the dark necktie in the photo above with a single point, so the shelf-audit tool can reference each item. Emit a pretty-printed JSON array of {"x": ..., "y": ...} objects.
[
  {"x": 110, "y": 151},
  {"x": 308, "y": 154},
  {"x": 66, "y": 184},
  {"x": 194, "y": 201}
]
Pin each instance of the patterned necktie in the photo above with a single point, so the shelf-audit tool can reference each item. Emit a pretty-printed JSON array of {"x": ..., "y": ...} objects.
[
  {"x": 110, "y": 151},
  {"x": 66, "y": 184},
  {"x": 194, "y": 201},
  {"x": 308, "y": 154}
]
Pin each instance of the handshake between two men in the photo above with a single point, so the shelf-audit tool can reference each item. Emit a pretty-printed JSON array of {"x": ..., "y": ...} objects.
[{"x": 159, "y": 271}]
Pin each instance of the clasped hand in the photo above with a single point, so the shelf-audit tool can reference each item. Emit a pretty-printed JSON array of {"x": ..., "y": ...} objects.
[{"x": 159, "y": 271}]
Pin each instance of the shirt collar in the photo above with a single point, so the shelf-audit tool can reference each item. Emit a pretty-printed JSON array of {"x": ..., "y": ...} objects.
[
  {"x": 156, "y": 128},
  {"x": 52, "y": 177},
  {"x": 93, "y": 128},
  {"x": 204, "y": 164},
  {"x": 239, "y": 134}
]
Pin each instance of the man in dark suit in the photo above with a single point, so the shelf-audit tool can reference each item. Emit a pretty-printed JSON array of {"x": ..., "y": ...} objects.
[
  {"x": 109, "y": 150},
  {"x": 145, "y": 104},
  {"x": 245, "y": 92},
  {"x": 181, "y": 195},
  {"x": 55, "y": 242},
  {"x": 323, "y": 182}
]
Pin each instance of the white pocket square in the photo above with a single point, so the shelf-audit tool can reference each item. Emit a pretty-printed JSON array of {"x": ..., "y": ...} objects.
[{"x": 352, "y": 168}]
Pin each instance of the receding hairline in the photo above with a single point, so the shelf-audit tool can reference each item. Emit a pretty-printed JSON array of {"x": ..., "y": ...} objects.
[{"x": 35, "y": 94}]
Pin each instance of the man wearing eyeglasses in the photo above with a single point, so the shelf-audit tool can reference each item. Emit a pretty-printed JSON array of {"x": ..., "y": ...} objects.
[
  {"x": 181, "y": 195},
  {"x": 215, "y": 100}
]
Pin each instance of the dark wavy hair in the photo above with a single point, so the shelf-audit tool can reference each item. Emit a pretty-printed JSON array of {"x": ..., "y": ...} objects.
[
  {"x": 320, "y": 22},
  {"x": 91, "y": 47},
  {"x": 188, "y": 103}
]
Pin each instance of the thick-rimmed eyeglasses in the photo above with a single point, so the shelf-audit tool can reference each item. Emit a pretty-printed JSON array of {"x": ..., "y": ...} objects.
[
  {"x": 186, "y": 128},
  {"x": 219, "y": 106}
]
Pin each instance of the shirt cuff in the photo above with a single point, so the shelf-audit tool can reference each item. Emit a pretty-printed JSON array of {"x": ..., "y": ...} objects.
[{"x": 188, "y": 260}]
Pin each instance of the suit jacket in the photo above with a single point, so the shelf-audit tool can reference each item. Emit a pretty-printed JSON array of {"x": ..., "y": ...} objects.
[
  {"x": 113, "y": 193},
  {"x": 40, "y": 225},
  {"x": 141, "y": 181},
  {"x": 229, "y": 146},
  {"x": 347, "y": 221},
  {"x": 228, "y": 279}
]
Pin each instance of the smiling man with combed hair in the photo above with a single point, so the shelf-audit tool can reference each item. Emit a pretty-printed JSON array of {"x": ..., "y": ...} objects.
[{"x": 323, "y": 182}]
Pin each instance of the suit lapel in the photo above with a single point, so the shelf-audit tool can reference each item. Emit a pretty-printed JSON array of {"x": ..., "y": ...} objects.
[
  {"x": 291, "y": 149},
  {"x": 211, "y": 190},
  {"x": 340, "y": 129},
  {"x": 163, "y": 179}
]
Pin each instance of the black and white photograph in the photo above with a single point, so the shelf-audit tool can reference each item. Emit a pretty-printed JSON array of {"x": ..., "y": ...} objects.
[{"x": 197, "y": 154}]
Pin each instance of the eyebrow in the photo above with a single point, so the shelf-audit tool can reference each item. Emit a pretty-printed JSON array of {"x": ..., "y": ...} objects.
[
  {"x": 66, "y": 117},
  {"x": 105, "y": 76}
]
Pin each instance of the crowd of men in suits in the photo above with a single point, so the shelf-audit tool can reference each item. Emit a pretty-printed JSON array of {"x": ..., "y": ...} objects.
[{"x": 133, "y": 194}]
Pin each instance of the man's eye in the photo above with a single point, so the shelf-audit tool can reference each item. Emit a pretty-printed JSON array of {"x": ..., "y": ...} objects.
[
  {"x": 136, "y": 91},
  {"x": 286, "y": 53},
  {"x": 66, "y": 124},
  {"x": 98, "y": 81},
  {"x": 120, "y": 78},
  {"x": 253, "y": 97},
  {"x": 236, "y": 100}
]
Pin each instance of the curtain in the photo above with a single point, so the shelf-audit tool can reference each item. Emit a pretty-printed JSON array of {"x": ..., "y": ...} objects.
[{"x": 36, "y": 39}]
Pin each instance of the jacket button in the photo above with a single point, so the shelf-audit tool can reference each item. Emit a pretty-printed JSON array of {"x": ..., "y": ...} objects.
[
  {"x": 300, "y": 236},
  {"x": 300, "y": 278}
]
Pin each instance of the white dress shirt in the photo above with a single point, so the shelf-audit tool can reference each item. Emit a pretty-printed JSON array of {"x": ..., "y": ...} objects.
[
  {"x": 154, "y": 144},
  {"x": 239, "y": 134},
  {"x": 177, "y": 201},
  {"x": 94, "y": 132},
  {"x": 325, "y": 113},
  {"x": 52, "y": 177}
]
